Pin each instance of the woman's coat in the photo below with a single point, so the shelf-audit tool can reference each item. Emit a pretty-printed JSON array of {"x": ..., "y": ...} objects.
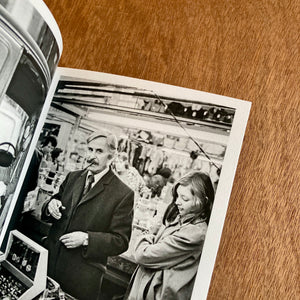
[{"x": 168, "y": 262}]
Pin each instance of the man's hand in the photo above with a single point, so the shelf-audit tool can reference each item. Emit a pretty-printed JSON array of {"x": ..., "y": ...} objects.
[
  {"x": 54, "y": 207},
  {"x": 74, "y": 239}
]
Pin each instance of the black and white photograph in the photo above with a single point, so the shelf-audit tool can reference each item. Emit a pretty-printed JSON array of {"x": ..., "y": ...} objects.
[
  {"x": 26, "y": 72},
  {"x": 109, "y": 185},
  {"x": 123, "y": 184},
  {"x": 130, "y": 165}
]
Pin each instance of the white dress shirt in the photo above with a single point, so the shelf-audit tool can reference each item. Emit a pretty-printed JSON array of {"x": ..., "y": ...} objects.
[{"x": 97, "y": 176}]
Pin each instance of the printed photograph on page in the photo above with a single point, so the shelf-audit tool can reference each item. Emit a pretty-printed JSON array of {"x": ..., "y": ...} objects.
[
  {"x": 126, "y": 183},
  {"x": 29, "y": 53}
]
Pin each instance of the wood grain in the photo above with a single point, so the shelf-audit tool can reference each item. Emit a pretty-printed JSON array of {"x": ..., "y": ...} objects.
[{"x": 243, "y": 49}]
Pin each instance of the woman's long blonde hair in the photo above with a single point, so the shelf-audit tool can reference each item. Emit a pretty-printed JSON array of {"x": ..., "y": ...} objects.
[{"x": 202, "y": 190}]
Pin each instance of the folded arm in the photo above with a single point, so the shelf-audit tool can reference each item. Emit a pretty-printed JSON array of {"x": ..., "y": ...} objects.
[
  {"x": 115, "y": 241},
  {"x": 170, "y": 250}
]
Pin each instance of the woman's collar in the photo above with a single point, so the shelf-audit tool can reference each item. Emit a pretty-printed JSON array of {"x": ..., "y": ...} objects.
[{"x": 191, "y": 218}]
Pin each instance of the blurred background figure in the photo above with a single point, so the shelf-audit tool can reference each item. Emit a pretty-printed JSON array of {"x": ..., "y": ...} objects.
[
  {"x": 156, "y": 184},
  {"x": 129, "y": 175},
  {"x": 166, "y": 173},
  {"x": 56, "y": 159},
  {"x": 44, "y": 151},
  {"x": 41, "y": 159}
]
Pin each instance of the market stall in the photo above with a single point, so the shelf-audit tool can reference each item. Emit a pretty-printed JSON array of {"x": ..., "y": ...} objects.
[{"x": 154, "y": 133}]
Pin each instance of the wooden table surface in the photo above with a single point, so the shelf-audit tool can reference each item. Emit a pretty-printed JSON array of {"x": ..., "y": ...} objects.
[{"x": 242, "y": 49}]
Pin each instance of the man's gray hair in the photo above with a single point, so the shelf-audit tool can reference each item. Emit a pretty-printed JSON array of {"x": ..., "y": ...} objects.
[{"x": 111, "y": 139}]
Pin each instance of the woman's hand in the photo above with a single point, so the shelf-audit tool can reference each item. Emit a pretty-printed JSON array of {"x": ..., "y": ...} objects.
[{"x": 154, "y": 228}]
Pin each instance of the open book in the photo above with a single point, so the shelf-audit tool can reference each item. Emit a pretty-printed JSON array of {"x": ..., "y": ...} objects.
[{"x": 161, "y": 130}]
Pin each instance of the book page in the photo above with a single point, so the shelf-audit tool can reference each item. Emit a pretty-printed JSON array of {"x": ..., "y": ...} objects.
[
  {"x": 30, "y": 48},
  {"x": 163, "y": 133}
]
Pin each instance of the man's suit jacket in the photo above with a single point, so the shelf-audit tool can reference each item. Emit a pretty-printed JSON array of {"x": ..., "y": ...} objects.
[{"x": 105, "y": 213}]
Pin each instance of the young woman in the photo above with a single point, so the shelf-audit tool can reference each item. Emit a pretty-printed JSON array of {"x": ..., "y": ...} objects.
[{"x": 168, "y": 262}]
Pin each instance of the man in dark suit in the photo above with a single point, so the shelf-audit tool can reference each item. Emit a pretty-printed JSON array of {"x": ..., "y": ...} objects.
[{"x": 91, "y": 216}]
